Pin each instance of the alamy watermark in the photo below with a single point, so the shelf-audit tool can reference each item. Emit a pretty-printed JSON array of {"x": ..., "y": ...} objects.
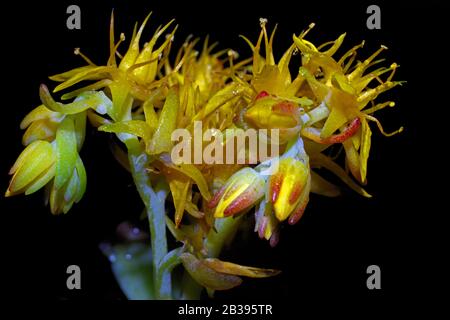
[
  {"x": 74, "y": 279},
  {"x": 374, "y": 19},
  {"x": 374, "y": 279},
  {"x": 233, "y": 146},
  {"x": 74, "y": 19}
]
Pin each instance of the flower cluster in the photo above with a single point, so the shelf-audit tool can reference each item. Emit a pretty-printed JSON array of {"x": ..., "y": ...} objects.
[{"x": 145, "y": 96}]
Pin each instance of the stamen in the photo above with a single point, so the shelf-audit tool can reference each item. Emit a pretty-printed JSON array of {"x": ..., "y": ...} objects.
[
  {"x": 304, "y": 33},
  {"x": 262, "y": 22},
  {"x": 379, "y": 107},
  {"x": 394, "y": 67},
  {"x": 77, "y": 52},
  {"x": 111, "y": 59},
  {"x": 380, "y": 127}
]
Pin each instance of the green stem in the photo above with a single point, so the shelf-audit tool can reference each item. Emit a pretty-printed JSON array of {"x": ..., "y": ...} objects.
[
  {"x": 225, "y": 229},
  {"x": 190, "y": 289},
  {"x": 154, "y": 204}
]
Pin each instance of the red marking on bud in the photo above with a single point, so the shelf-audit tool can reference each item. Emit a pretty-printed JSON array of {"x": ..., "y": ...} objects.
[
  {"x": 349, "y": 131},
  {"x": 274, "y": 239},
  {"x": 262, "y": 227},
  {"x": 261, "y": 95},
  {"x": 216, "y": 198},
  {"x": 295, "y": 217},
  {"x": 285, "y": 107},
  {"x": 295, "y": 194},
  {"x": 242, "y": 202},
  {"x": 275, "y": 186}
]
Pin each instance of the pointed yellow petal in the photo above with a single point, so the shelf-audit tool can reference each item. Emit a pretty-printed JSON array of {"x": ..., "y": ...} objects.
[
  {"x": 147, "y": 72},
  {"x": 195, "y": 174},
  {"x": 40, "y": 113},
  {"x": 95, "y": 86},
  {"x": 219, "y": 99},
  {"x": 92, "y": 73},
  {"x": 24, "y": 155},
  {"x": 133, "y": 51},
  {"x": 39, "y": 130},
  {"x": 150, "y": 115},
  {"x": 321, "y": 186},
  {"x": 69, "y": 74},
  {"x": 161, "y": 141},
  {"x": 138, "y": 128},
  {"x": 42, "y": 180},
  {"x": 343, "y": 109},
  {"x": 90, "y": 99},
  {"x": 239, "y": 270},
  {"x": 179, "y": 186},
  {"x": 322, "y": 160},
  {"x": 365, "y": 149}
]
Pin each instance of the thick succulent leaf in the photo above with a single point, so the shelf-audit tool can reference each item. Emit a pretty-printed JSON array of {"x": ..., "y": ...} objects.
[
  {"x": 79, "y": 121},
  {"x": 82, "y": 179},
  {"x": 207, "y": 276},
  {"x": 70, "y": 190},
  {"x": 238, "y": 270},
  {"x": 132, "y": 267},
  {"x": 66, "y": 152}
]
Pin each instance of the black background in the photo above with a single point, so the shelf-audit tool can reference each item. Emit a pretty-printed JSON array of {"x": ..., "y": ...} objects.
[{"x": 326, "y": 254}]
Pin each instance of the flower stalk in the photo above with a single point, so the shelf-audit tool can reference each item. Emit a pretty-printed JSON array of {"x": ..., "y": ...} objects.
[{"x": 154, "y": 201}]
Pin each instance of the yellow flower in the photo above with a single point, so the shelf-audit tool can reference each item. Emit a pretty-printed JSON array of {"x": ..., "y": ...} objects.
[
  {"x": 55, "y": 164},
  {"x": 342, "y": 93},
  {"x": 40, "y": 124},
  {"x": 133, "y": 78},
  {"x": 61, "y": 199},
  {"x": 33, "y": 169},
  {"x": 269, "y": 76},
  {"x": 269, "y": 112},
  {"x": 266, "y": 224},
  {"x": 289, "y": 189},
  {"x": 242, "y": 190}
]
